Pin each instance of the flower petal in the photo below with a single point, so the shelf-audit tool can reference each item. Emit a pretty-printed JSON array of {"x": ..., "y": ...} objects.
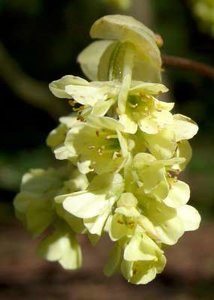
[
  {"x": 91, "y": 57},
  {"x": 179, "y": 194},
  {"x": 161, "y": 145},
  {"x": 95, "y": 225},
  {"x": 57, "y": 87},
  {"x": 184, "y": 127},
  {"x": 140, "y": 247},
  {"x": 125, "y": 28},
  {"x": 190, "y": 217},
  {"x": 130, "y": 126},
  {"x": 85, "y": 204},
  {"x": 148, "y": 88},
  {"x": 61, "y": 247}
]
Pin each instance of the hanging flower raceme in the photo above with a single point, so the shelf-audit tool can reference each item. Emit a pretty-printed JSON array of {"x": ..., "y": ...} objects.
[{"x": 124, "y": 150}]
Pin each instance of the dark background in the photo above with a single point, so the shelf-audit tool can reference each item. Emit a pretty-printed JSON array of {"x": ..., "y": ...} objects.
[{"x": 40, "y": 40}]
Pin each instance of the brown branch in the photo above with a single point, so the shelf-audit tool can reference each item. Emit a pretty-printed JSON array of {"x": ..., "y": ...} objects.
[
  {"x": 33, "y": 92},
  {"x": 187, "y": 64}
]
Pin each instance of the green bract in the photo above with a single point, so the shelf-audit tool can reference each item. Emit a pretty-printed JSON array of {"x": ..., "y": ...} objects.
[{"x": 124, "y": 150}]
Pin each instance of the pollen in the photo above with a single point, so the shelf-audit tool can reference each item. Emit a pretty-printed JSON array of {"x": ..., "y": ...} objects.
[
  {"x": 133, "y": 105},
  {"x": 80, "y": 118},
  {"x": 113, "y": 136},
  {"x": 91, "y": 147},
  {"x": 100, "y": 151},
  {"x": 134, "y": 272},
  {"x": 120, "y": 222},
  {"x": 72, "y": 102}
]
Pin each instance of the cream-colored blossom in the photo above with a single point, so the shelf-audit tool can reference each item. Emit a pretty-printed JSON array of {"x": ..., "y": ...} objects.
[
  {"x": 94, "y": 205},
  {"x": 34, "y": 204},
  {"x": 62, "y": 246},
  {"x": 97, "y": 145},
  {"x": 124, "y": 150},
  {"x": 142, "y": 260}
]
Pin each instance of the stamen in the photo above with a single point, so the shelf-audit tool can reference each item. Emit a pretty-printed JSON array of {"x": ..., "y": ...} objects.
[
  {"x": 72, "y": 102},
  {"x": 174, "y": 173},
  {"x": 120, "y": 222},
  {"x": 80, "y": 118},
  {"x": 82, "y": 107},
  {"x": 118, "y": 154},
  {"x": 113, "y": 136},
  {"x": 133, "y": 105},
  {"x": 91, "y": 147},
  {"x": 76, "y": 108},
  {"x": 100, "y": 151},
  {"x": 131, "y": 224}
]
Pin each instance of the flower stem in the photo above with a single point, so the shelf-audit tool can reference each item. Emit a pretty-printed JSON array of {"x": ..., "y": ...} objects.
[{"x": 187, "y": 64}]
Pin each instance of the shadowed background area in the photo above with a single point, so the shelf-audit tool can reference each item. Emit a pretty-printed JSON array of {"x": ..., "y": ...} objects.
[{"x": 40, "y": 40}]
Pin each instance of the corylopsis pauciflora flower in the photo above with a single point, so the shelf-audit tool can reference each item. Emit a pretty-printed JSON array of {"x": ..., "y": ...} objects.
[{"x": 124, "y": 150}]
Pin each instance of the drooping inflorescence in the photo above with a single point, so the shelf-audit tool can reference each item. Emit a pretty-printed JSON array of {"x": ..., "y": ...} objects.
[{"x": 122, "y": 150}]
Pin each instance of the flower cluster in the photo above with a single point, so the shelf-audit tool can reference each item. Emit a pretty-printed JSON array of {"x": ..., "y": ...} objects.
[{"x": 124, "y": 151}]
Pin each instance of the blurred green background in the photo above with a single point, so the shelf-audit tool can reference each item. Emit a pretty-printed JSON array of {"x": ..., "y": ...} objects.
[{"x": 40, "y": 40}]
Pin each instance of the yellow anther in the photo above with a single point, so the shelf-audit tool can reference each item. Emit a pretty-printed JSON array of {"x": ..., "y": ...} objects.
[
  {"x": 72, "y": 102},
  {"x": 113, "y": 136},
  {"x": 100, "y": 151},
  {"x": 91, "y": 147},
  {"x": 120, "y": 222},
  {"x": 133, "y": 105},
  {"x": 80, "y": 118}
]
